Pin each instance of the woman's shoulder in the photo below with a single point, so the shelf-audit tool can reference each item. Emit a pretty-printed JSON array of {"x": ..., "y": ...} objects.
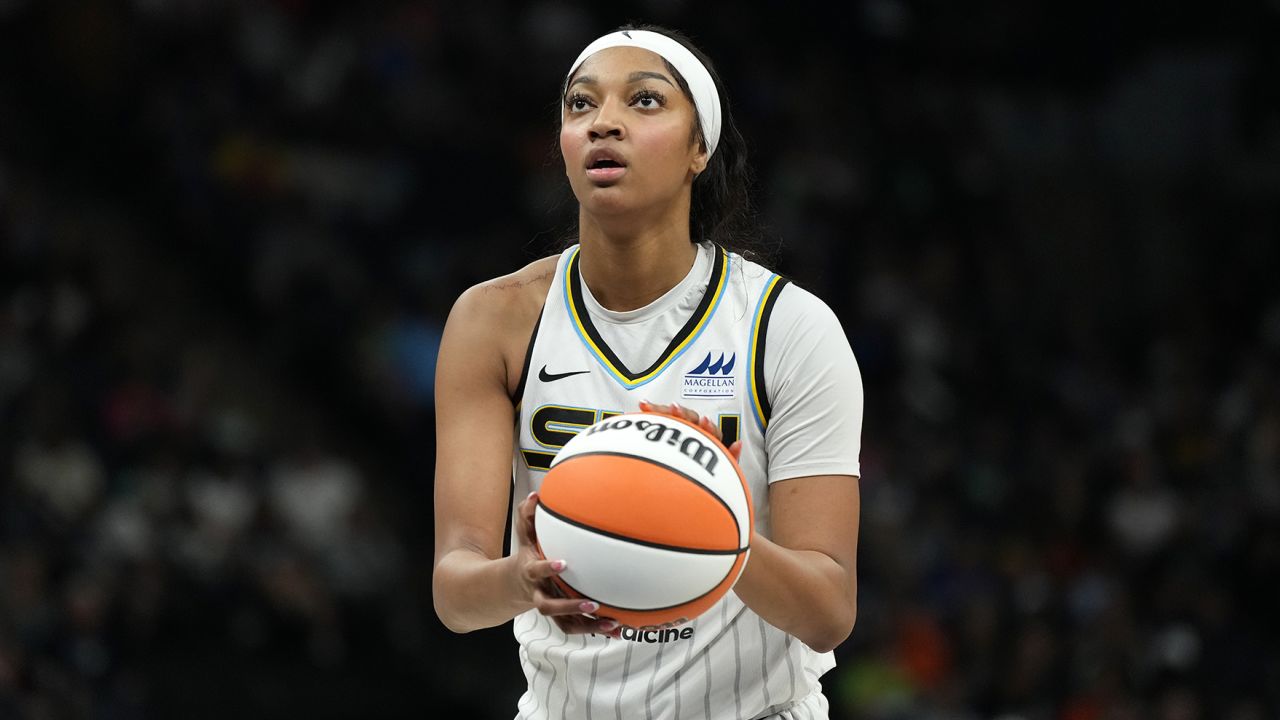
[
  {"x": 510, "y": 299},
  {"x": 491, "y": 322}
]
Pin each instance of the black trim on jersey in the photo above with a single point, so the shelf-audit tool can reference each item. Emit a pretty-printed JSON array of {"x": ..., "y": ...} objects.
[
  {"x": 517, "y": 396},
  {"x": 506, "y": 527},
  {"x": 575, "y": 287},
  {"x": 758, "y": 371}
]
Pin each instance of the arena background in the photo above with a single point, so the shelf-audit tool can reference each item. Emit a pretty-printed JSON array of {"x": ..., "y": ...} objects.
[{"x": 230, "y": 232}]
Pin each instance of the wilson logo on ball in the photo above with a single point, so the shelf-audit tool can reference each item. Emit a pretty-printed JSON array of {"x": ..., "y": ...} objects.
[{"x": 693, "y": 448}]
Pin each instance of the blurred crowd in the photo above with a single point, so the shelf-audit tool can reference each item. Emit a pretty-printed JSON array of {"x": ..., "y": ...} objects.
[{"x": 230, "y": 232}]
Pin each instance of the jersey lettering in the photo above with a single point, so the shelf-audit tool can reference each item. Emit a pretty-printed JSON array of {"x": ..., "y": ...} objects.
[
  {"x": 729, "y": 425},
  {"x": 554, "y": 425}
]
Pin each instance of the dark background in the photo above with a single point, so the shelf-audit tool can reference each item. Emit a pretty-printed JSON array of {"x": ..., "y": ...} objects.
[{"x": 230, "y": 232}]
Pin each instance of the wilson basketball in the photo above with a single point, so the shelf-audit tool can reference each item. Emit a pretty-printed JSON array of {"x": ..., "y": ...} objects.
[{"x": 652, "y": 516}]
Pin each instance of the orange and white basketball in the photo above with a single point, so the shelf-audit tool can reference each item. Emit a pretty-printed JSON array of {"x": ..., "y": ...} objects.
[{"x": 652, "y": 516}]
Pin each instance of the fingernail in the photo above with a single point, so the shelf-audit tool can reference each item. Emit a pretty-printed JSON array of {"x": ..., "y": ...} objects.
[
  {"x": 557, "y": 565},
  {"x": 607, "y": 625},
  {"x": 588, "y": 606},
  {"x": 535, "y": 492}
]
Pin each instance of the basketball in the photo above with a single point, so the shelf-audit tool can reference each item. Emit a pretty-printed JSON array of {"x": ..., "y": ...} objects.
[{"x": 652, "y": 516}]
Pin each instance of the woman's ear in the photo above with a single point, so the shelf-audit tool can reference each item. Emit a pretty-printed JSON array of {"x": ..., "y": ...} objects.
[{"x": 700, "y": 160}]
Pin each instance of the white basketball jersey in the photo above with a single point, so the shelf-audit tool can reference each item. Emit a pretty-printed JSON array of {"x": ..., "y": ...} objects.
[{"x": 727, "y": 663}]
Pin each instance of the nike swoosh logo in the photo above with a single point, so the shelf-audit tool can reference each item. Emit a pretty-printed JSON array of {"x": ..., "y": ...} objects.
[{"x": 545, "y": 376}]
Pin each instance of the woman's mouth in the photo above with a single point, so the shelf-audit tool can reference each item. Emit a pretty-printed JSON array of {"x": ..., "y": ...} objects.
[{"x": 605, "y": 169}]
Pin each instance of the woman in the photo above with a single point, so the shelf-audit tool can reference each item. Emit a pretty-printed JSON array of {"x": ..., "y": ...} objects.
[{"x": 647, "y": 306}]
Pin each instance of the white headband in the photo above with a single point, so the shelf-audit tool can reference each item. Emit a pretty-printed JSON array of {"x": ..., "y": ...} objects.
[{"x": 706, "y": 100}]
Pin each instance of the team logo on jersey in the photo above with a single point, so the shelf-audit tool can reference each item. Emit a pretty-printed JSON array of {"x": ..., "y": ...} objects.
[
  {"x": 650, "y": 634},
  {"x": 713, "y": 377},
  {"x": 653, "y": 635}
]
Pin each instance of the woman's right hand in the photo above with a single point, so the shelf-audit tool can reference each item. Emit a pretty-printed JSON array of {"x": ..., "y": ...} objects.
[{"x": 533, "y": 576}]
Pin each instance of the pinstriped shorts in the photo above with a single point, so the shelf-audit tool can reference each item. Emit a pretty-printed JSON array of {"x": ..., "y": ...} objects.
[{"x": 812, "y": 707}]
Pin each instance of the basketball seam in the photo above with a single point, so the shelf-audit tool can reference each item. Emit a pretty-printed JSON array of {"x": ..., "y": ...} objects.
[
  {"x": 561, "y": 579},
  {"x": 737, "y": 528},
  {"x": 637, "y": 541}
]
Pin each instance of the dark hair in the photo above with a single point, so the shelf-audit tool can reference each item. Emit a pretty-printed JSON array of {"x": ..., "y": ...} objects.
[{"x": 720, "y": 207}]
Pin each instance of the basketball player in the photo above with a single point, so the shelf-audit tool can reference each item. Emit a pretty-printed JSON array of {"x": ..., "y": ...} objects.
[{"x": 651, "y": 304}]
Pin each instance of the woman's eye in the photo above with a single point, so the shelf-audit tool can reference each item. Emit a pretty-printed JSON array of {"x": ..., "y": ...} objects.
[
  {"x": 648, "y": 100},
  {"x": 578, "y": 103}
]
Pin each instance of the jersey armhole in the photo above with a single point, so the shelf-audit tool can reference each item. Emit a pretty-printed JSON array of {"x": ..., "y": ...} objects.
[
  {"x": 518, "y": 394},
  {"x": 761, "y": 407},
  {"x": 517, "y": 397}
]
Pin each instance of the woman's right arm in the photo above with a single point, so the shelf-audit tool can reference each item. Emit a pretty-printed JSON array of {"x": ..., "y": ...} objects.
[{"x": 474, "y": 584}]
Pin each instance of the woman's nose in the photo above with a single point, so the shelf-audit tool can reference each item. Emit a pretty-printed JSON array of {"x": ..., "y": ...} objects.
[{"x": 606, "y": 122}]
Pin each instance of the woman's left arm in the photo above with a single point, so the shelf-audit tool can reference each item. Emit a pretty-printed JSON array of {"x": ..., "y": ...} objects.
[{"x": 804, "y": 580}]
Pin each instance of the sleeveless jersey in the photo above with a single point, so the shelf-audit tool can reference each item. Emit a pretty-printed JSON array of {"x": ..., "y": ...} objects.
[{"x": 728, "y": 662}]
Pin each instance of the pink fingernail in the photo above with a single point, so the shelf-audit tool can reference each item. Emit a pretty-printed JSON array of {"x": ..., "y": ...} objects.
[
  {"x": 588, "y": 606},
  {"x": 557, "y": 565},
  {"x": 608, "y": 625}
]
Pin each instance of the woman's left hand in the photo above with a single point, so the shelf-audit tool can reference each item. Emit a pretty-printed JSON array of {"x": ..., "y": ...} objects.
[{"x": 684, "y": 413}]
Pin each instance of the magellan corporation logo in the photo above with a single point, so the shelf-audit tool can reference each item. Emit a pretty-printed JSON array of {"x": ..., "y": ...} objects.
[{"x": 712, "y": 378}]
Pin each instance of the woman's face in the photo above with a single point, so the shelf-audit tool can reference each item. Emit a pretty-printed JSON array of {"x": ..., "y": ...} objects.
[{"x": 628, "y": 134}]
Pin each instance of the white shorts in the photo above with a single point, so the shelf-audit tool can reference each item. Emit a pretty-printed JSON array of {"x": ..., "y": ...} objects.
[{"x": 812, "y": 707}]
